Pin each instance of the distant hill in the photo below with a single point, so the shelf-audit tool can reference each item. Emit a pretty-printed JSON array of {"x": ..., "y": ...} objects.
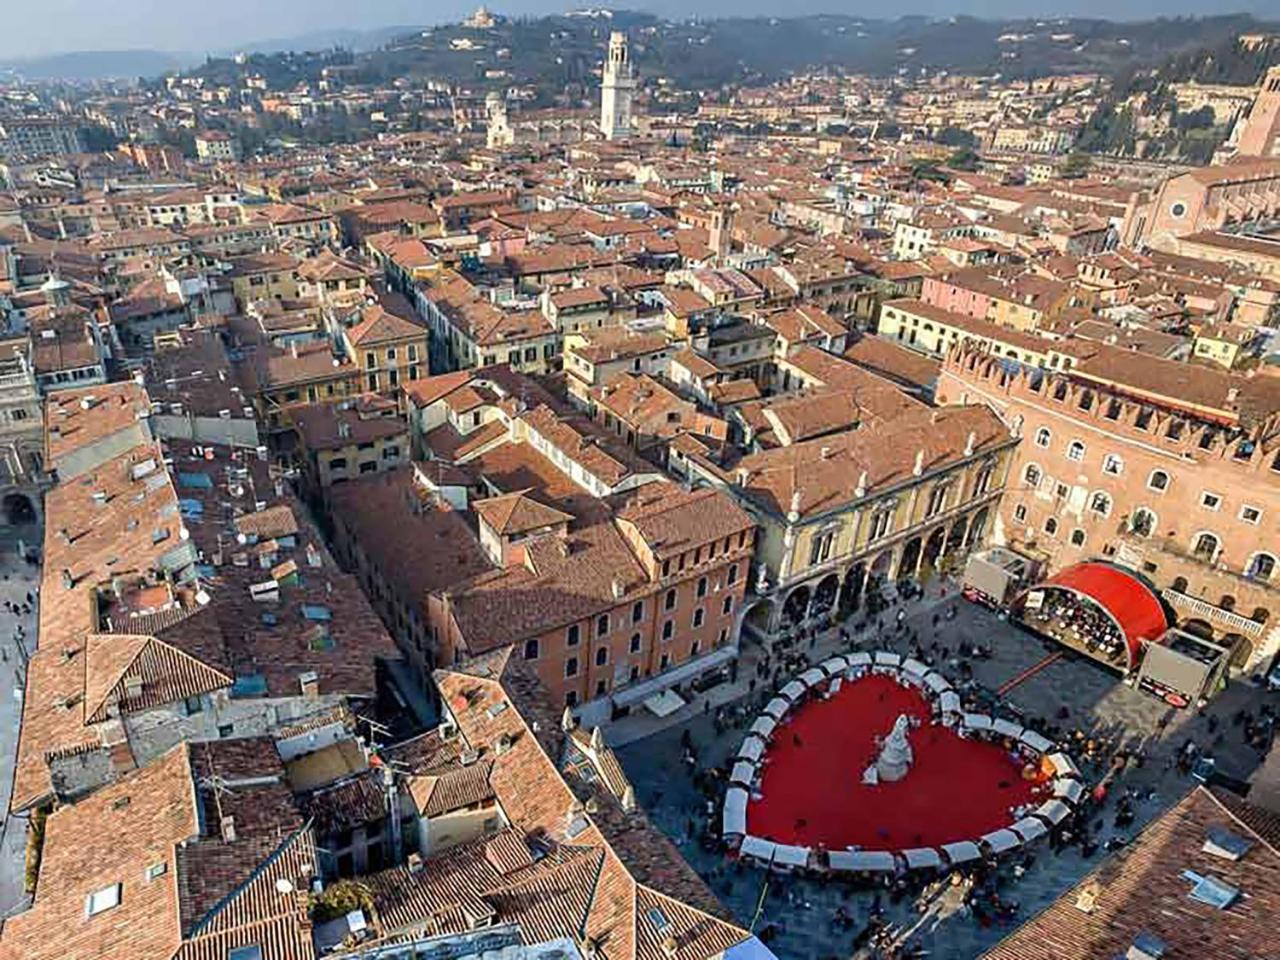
[
  {"x": 357, "y": 40},
  {"x": 99, "y": 65}
]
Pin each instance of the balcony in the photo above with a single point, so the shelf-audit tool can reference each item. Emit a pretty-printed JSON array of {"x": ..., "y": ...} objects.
[{"x": 1227, "y": 620}]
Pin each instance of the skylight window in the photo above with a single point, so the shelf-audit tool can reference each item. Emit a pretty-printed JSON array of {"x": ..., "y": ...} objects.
[
  {"x": 1216, "y": 893},
  {"x": 251, "y": 952},
  {"x": 101, "y": 900},
  {"x": 1226, "y": 845}
]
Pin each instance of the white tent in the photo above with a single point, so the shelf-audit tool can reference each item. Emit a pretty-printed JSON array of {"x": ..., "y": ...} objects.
[
  {"x": 916, "y": 669},
  {"x": 777, "y": 708},
  {"x": 757, "y": 849},
  {"x": 863, "y": 861},
  {"x": 885, "y": 658},
  {"x": 735, "y": 812},
  {"x": 763, "y": 727},
  {"x": 812, "y": 677},
  {"x": 1029, "y": 828},
  {"x": 752, "y": 748},
  {"x": 793, "y": 691},
  {"x": 962, "y": 851},
  {"x": 1071, "y": 790},
  {"x": 1055, "y": 811},
  {"x": 977, "y": 721},
  {"x": 834, "y": 665},
  {"x": 858, "y": 659},
  {"x": 1007, "y": 728},
  {"x": 1001, "y": 840},
  {"x": 918, "y": 857},
  {"x": 744, "y": 772},
  {"x": 949, "y": 701},
  {"x": 664, "y": 704},
  {"x": 789, "y": 856},
  {"x": 1062, "y": 764},
  {"x": 1036, "y": 742},
  {"x": 936, "y": 682}
]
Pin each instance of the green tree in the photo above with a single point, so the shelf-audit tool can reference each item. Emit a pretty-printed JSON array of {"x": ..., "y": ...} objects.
[
  {"x": 1077, "y": 164},
  {"x": 963, "y": 159}
]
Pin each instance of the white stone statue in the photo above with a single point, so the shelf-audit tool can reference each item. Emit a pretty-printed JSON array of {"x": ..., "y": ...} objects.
[{"x": 895, "y": 755}]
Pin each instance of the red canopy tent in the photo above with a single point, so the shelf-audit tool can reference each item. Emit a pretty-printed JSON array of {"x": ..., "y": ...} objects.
[{"x": 1131, "y": 604}]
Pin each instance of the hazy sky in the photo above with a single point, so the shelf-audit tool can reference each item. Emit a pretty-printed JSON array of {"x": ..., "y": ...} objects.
[{"x": 47, "y": 26}]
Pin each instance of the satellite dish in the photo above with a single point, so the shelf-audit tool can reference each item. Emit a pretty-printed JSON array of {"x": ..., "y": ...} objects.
[{"x": 284, "y": 885}]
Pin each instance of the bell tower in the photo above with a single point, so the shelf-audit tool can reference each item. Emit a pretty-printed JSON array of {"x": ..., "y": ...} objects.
[{"x": 617, "y": 86}]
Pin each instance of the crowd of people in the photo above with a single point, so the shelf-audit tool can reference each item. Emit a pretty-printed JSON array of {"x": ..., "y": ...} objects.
[{"x": 1082, "y": 625}]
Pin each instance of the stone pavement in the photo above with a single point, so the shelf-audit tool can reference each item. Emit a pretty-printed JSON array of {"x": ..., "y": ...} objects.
[
  {"x": 17, "y": 579},
  {"x": 800, "y": 913}
]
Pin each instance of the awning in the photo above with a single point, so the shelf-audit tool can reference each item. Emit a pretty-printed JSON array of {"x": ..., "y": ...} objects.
[
  {"x": 1036, "y": 742},
  {"x": 859, "y": 659},
  {"x": 977, "y": 721},
  {"x": 757, "y": 849},
  {"x": 936, "y": 682},
  {"x": 1128, "y": 601},
  {"x": 664, "y": 704},
  {"x": 1029, "y": 828},
  {"x": 777, "y": 708},
  {"x": 812, "y": 677},
  {"x": 764, "y": 727},
  {"x": 1007, "y": 728},
  {"x": 751, "y": 749},
  {"x": 1055, "y": 811},
  {"x": 863, "y": 861},
  {"x": 793, "y": 691},
  {"x": 918, "y": 857},
  {"x": 962, "y": 851},
  {"x": 735, "y": 812},
  {"x": 643, "y": 690},
  {"x": 744, "y": 771},
  {"x": 1063, "y": 765},
  {"x": 790, "y": 856},
  {"x": 1071, "y": 790},
  {"x": 749, "y": 949},
  {"x": 1001, "y": 840},
  {"x": 885, "y": 658},
  {"x": 834, "y": 665},
  {"x": 949, "y": 702}
]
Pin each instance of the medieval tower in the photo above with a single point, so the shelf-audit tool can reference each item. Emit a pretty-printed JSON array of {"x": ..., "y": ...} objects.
[{"x": 616, "y": 89}]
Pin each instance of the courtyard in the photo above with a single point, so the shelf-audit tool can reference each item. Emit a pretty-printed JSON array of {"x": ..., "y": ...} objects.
[{"x": 1114, "y": 732}]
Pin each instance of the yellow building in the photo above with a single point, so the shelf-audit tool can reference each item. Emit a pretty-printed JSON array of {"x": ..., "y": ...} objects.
[{"x": 841, "y": 511}]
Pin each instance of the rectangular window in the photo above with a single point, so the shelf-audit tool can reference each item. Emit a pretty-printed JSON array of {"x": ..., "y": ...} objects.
[
  {"x": 668, "y": 629},
  {"x": 637, "y": 611},
  {"x": 101, "y": 900},
  {"x": 1210, "y": 501},
  {"x": 571, "y": 636},
  {"x": 1250, "y": 514},
  {"x": 727, "y": 606},
  {"x": 571, "y": 667},
  {"x": 698, "y": 616}
]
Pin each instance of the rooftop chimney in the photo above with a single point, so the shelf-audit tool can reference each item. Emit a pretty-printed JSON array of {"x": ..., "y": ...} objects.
[{"x": 309, "y": 682}]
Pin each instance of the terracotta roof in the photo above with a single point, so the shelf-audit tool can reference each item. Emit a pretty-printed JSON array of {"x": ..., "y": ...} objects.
[
  {"x": 518, "y": 513},
  {"x": 1143, "y": 889},
  {"x": 380, "y": 326}
]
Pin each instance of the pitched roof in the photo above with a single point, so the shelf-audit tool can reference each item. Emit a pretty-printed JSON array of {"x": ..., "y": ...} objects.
[
  {"x": 1143, "y": 889},
  {"x": 518, "y": 513}
]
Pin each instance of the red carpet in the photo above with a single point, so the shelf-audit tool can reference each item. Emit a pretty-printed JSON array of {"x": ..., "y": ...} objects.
[{"x": 813, "y": 790}]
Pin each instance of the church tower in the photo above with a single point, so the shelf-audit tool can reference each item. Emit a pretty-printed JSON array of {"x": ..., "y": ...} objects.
[
  {"x": 1260, "y": 135},
  {"x": 616, "y": 89}
]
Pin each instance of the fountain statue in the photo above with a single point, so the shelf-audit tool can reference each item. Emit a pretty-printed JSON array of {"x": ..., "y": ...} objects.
[{"x": 895, "y": 755}]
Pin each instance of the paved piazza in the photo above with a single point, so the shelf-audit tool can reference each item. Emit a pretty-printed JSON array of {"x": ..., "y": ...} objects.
[{"x": 802, "y": 918}]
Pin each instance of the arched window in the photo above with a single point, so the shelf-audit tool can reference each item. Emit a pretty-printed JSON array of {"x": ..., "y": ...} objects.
[
  {"x": 1051, "y": 526},
  {"x": 1159, "y": 480},
  {"x": 1179, "y": 584},
  {"x": 1075, "y": 450},
  {"x": 1032, "y": 475},
  {"x": 1205, "y": 546},
  {"x": 1100, "y": 503},
  {"x": 1077, "y": 537},
  {"x": 1043, "y": 437},
  {"x": 1112, "y": 464},
  {"x": 1261, "y": 567},
  {"x": 1143, "y": 522},
  {"x": 1228, "y": 602},
  {"x": 983, "y": 483}
]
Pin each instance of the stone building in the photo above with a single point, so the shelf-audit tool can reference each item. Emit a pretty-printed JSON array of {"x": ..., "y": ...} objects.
[{"x": 1170, "y": 469}]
